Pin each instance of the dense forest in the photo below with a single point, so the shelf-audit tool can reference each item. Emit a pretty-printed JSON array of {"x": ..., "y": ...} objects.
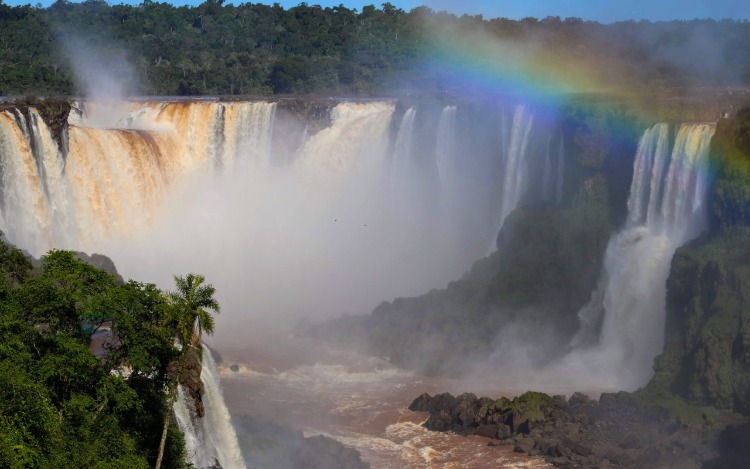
[
  {"x": 246, "y": 49},
  {"x": 60, "y": 405}
]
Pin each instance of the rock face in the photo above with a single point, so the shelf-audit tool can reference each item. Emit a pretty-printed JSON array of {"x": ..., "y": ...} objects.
[
  {"x": 617, "y": 431},
  {"x": 707, "y": 353},
  {"x": 299, "y": 118},
  {"x": 191, "y": 379},
  {"x": 54, "y": 112},
  {"x": 102, "y": 262}
]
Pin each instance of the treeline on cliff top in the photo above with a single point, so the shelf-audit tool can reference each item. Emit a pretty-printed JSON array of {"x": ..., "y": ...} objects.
[
  {"x": 217, "y": 49},
  {"x": 60, "y": 405}
]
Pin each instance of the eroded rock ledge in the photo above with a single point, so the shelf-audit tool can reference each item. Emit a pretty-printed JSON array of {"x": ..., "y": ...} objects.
[{"x": 616, "y": 431}]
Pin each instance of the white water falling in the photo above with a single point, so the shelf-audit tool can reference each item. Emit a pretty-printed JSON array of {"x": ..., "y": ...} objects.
[
  {"x": 516, "y": 165},
  {"x": 212, "y": 438},
  {"x": 113, "y": 181},
  {"x": 514, "y": 137},
  {"x": 402, "y": 147},
  {"x": 354, "y": 140},
  {"x": 666, "y": 208},
  {"x": 253, "y": 130},
  {"x": 446, "y": 148},
  {"x": 25, "y": 212}
]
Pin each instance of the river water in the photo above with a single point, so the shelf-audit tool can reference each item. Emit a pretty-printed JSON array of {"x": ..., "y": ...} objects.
[{"x": 360, "y": 401}]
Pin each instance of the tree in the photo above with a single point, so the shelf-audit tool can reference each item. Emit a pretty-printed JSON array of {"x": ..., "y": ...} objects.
[
  {"x": 189, "y": 319},
  {"x": 60, "y": 405},
  {"x": 189, "y": 315}
]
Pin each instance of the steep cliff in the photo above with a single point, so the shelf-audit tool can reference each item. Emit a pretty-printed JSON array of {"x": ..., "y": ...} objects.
[
  {"x": 548, "y": 259},
  {"x": 707, "y": 353}
]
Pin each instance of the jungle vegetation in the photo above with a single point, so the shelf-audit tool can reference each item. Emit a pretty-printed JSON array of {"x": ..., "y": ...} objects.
[
  {"x": 255, "y": 49},
  {"x": 61, "y": 406}
]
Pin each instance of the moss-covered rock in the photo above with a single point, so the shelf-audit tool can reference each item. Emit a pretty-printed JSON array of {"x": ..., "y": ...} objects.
[
  {"x": 555, "y": 253},
  {"x": 707, "y": 355}
]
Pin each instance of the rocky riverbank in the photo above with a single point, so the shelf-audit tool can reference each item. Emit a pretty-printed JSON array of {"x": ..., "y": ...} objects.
[{"x": 619, "y": 430}]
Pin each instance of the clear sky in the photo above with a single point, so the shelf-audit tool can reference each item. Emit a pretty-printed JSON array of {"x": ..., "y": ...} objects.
[{"x": 599, "y": 10}]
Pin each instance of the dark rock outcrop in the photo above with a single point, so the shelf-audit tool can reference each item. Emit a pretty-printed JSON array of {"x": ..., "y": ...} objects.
[
  {"x": 102, "y": 262},
  {"x": 55, "y": 115},
  {"x": 298, "y": 118},
  {"x": 54, "y": 112},
  {"x": 620, "y": 430},
  {"x": 191, "y": 379}
]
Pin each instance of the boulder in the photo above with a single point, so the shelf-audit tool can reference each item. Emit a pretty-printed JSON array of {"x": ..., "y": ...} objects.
[
  {"x": 440, "y": 421},
  {"x": 487, "y": 431},
  {"x": 421, "y": 404},
  {"x": 524, "y": 445}
]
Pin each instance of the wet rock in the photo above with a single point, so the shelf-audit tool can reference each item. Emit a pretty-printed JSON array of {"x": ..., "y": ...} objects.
[
  {"x": 503, "y": 431},
  {"x": 464, "y": 412},
  {"x": 582, "y": 432},
  {"x": 191, "y": 379},
  {"x": 440, "y": 421},
  {"x": 524, "y": 445},
  {"x": 550, "y": 447},
  {"x": 421, "y": 404},
  {"x": 487, "y": 431},
  {"x": 582, "y": 448},
  {"x": 444, "y": 401}
]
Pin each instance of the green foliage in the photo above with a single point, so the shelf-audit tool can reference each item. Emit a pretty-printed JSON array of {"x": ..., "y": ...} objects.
[
  {"x": 533, "y": 405},
  {"x": 239, "y": 49},
  {"x": 188, "y": 315},
  {"x": 16, "y": 265},
  {"x": 60, "y": 405}
]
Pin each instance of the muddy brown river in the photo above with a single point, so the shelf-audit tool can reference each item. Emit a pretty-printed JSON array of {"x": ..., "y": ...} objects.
[{"x": 360, "y": 401}]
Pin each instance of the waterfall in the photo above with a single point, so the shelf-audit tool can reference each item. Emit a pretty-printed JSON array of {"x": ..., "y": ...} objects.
[
  {"x": 446, "y": 148},
  {"x": 112, "y": 181},
  {"x": 516, "y": 166},
  {"x": 514, "y": 137},
  {"x": 211, "y": 438},
  {"x": 666, "y": 208},
  {"x": 356, "y": 139},
  {"x": 402, "y": 147},
  {"x": 26, "y": 213}
]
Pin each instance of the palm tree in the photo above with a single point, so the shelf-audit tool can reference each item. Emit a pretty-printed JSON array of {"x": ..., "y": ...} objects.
[
  {"x": 189, "y": 308},
  {"x": 190, "y": 319}
]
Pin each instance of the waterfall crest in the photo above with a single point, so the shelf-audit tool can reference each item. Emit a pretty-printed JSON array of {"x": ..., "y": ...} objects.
[{"x": 112, "y": 181}]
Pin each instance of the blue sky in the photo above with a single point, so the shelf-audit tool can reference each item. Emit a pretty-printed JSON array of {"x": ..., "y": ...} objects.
[{"x": 600, "y": 10}]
